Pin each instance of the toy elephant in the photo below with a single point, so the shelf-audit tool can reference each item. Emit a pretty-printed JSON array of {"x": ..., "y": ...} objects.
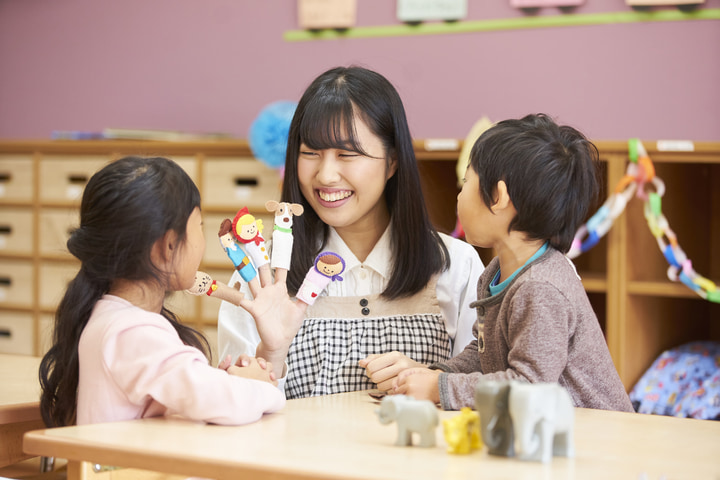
[
  {"x": 531, "y": 420},
  {"x": 491, "y": 402},
  {"x": 411, "y": 415},
  {"x": 544, "y": 419}
]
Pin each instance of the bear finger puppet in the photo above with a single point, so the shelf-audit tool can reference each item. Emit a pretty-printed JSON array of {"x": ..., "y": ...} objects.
[{"x": 327, "y": 267}]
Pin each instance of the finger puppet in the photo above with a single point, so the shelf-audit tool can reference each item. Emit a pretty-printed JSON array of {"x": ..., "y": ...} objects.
[
  {"x": 248, "y": 232},
  {"x": 327, "y": 267},
  {"x": 282, "y": 236},
  {"x": 235, "y": 253},
  {"x": 411, "y": 415},
  {"x": 205, "y": 285},
  {"x": 540, "y": 416},
  {"x": 462, "y": 432}
]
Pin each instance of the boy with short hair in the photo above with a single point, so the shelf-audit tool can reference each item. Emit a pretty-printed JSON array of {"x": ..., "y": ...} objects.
[{"x": 529, "y": 186}]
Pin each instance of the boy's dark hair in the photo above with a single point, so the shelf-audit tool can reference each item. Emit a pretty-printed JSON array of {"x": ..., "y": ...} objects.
[
  {"x": 324, "y": 118},
  {"x": 126, "y": 206},
  {"x": 550, "y": 173}
]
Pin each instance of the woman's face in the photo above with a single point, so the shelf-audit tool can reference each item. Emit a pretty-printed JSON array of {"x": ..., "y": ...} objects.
[{"x": 344, "y": 187}]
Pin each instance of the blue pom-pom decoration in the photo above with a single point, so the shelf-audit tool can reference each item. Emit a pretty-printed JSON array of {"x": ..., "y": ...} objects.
[{"x": 269, "y": 131}]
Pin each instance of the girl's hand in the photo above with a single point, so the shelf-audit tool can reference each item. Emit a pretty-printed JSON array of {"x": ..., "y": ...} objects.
[
  {"x": 254, "y": 368},
  {"x": 420, "y": 383},
  {"x": 382, "y": 369}
]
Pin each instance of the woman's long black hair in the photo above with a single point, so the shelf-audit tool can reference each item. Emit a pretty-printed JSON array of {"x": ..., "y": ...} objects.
[
  {"x": 126, "y": 207},
  {"x": 324, "y": 118}
]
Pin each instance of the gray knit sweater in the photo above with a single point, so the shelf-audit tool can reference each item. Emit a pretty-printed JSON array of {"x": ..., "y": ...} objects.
[{"x": 540, "y": 328}]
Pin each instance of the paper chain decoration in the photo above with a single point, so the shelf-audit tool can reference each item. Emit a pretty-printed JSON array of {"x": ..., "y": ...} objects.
[{"x": 639, "y": 174}]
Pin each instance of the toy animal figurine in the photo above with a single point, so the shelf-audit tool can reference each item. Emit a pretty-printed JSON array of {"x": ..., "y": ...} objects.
[
  {"x": 412, "y": 416},
  {"x": 491, "y": 403},
  {"x": 282, "y": 236},
  {"x": 327, "y": 267},
  {"x": 531, "y": 420},
  {"x": 544, "y": 420},
  {"x": 248, "y": 232},
  {"x": 236, "y": 254},
  {"x": 462, "y": 432},
  {"x": 205, "y": 285}
]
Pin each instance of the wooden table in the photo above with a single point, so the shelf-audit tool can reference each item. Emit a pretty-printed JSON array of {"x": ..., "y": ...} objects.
[
  {"x": 339, "y": 436},
  {"x": 19, "y": 404}
]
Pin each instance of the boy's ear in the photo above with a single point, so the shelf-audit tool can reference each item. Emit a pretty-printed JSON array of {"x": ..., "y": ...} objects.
[{"x": 502, "y": 198}]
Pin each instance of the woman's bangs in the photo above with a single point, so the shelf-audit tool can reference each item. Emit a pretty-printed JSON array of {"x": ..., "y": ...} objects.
[{"x": 330, "y": 126}]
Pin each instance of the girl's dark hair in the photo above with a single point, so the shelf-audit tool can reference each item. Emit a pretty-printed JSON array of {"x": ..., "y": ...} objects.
[
  {"x": 550, "y": 172},
  {"x": 324, "y": 118},
  {"x": 126, "y": 207}
]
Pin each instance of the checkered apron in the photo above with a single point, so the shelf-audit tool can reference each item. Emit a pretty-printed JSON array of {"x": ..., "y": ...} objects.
[{"x": 339, "y": 331}]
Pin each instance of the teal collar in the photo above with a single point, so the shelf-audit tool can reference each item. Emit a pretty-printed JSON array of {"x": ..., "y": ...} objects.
[{"x": 496, "y": 288}]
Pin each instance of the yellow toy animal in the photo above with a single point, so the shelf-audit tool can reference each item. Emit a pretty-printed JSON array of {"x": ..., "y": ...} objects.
[{"x": 462, "y": 432}]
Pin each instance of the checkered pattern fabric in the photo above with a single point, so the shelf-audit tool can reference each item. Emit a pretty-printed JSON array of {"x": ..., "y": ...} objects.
[{"x": 323, "y": 358}]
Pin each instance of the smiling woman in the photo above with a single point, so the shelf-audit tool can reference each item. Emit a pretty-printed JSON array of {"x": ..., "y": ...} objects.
[{"x": 406, "y": 288}]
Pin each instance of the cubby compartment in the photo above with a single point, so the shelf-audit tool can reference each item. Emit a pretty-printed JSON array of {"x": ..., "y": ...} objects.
[
  {"x": 16, "y": 177},
  {"x": 17, "y": 333},
  {"x": 16, "y": 231},
  {"x": 16, "y": 283},
  {"x": 56, "y": 225},
  {"x": 657, "y": 323},
  {"x": 230, "y": 183},
  {"x": 63, "y": 177},
  {"x": 691, "y": 205}
]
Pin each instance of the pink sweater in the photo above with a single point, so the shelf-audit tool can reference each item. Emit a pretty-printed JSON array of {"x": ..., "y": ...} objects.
[{"x": 134, "y": 365}]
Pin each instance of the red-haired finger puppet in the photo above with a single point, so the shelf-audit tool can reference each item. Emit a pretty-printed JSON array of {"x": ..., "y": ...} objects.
[
  {"x": 205, "y": 285},
  {"x": 327, "y": 267},
  {"x": 247, "y": 231}
]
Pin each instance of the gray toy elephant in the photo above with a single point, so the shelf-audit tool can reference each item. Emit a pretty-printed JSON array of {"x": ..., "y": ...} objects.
[
  {"x": 491, "y": 402},
  {"x": 411, "y": 415},
  {"x": 531, "y": 420}
]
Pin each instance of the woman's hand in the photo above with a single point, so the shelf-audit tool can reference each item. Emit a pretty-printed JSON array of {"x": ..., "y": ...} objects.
[
  {"x": 277, "y": 316},
  {"x": 382, "y": 369}
]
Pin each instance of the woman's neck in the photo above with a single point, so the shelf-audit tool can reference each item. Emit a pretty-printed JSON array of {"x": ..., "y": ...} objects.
[{"x": 362, "y": 237}]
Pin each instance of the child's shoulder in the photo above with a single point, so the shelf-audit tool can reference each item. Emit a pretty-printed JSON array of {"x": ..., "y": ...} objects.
[
  {"x": 557, "y": 270},
  {"x": 115, "y": 313}
]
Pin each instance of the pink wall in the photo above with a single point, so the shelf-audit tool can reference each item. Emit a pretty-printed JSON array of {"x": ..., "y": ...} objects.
[{"x": 211, "y": 65}]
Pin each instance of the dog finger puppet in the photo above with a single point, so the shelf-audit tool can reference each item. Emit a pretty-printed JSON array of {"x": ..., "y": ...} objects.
[
  {"x": 205, "y": 285},
  {"x": 235, "y": 253},
  {"x": 247, "y": 231},
  {"x": 282, "y": 236},
  {"x": 327, "y": 267}
]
